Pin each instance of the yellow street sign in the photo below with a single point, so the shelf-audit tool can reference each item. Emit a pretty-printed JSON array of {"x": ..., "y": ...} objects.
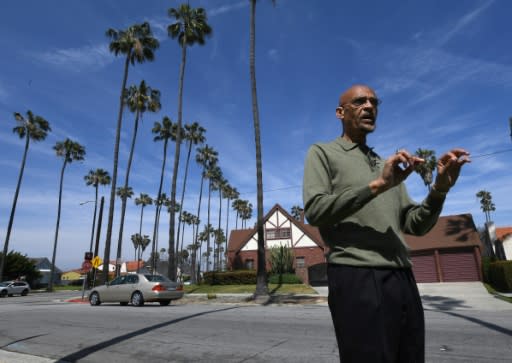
[{"x": 96, "y": 262}]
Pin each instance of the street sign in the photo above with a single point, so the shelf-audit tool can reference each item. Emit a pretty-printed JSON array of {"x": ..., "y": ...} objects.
[
  {"x": 86, "y": 266},
  {"x": 96, "y": 262}
]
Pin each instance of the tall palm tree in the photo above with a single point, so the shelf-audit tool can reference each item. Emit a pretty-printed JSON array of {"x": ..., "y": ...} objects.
[
  {"x": 230, "y": 193},
  {"x": 261, "y": 272},
  {"x": 165, "y": 131},
  {"x": 194, "y": 134},
  {"x": 139, "y": 100},
  {"x": 191, "y": 27},
  {"x": 237, "y": 206},
  {"x": 212, "y": 174},
  {"x": 220, "y": 184},
  {"x": 143, "y": 200},
  {"x": 140, "y": 242},
  {"x": 138, "y": 45},
  {"x": 69, "y": 151},
  {"x": 297, "y": 212},
  {"x": 206, "y": 157},
  {"x": 33, "y": 128},
  {"x": 246, "y": 213},
  {"x": 96, "y": 178},
  {"x": 486, "y": 204},
  {"x": 426, "y": 169}
]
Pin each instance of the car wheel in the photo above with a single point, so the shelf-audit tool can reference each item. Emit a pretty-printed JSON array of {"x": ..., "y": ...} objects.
[
  {"x": 3, "y": 293},
  {"x": 24, "y": 292},
  {"x": 94, "y": 299},
  {"x": 123, "y": 303},
  {"x": 164, "y": 302},
  {"x": 137, "y": 299}
]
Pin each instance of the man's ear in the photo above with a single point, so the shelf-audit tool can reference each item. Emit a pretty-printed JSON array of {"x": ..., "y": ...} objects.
[{"x": 340, "y": 112}]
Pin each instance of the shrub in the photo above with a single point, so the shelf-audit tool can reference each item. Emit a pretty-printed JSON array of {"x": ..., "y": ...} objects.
[
  {"x": 287, "y": 278},
  {"x": 281, "y": 260},
  {"x": 239, "y": 277},
  {"x": 500, "y": 275}
]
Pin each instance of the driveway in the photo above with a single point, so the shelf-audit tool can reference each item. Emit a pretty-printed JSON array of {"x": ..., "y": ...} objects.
[{"x": 453, "y": 296}]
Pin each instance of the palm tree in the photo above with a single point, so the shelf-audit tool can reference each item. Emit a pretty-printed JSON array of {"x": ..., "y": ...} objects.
[
  {"x": 261, "y": 274},
  {"x": 96, "y": 178},
  {"x": 139, "y": 100},
  {"x": 212, "y": 174},
  {"x": 220, "y": 184},
  {"x": 297, "y": 211},
  {"x": 69, "y": 151},
  {"x": 143, "y": 200},
  {"x": 138, "y": 45},
  {"x": 486, "y": 204},
  {"x": 194, "y": 134},
  {"x": 33, "y": 128},
  {"x": 140, "y": 243},
  {"x": 246, "y": 213},
  {"x": 229, "y": 194},
  {"x": 163, "y": 132},
  {"x": 191, "y": 27},
  {"x": 237, "y": 206},
  {"x": 426, "y": 169},
  {"x": 206, "y": 157}
]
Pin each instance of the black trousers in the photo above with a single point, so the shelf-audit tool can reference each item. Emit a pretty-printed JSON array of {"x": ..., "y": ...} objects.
[{"x": 377, "y": 315}]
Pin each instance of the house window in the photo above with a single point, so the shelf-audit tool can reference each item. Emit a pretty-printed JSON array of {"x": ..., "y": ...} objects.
[
  {"x": 278, "y": 233},
  {"x": 249, "y": 264},
  {"x": 300, "y": 262}
]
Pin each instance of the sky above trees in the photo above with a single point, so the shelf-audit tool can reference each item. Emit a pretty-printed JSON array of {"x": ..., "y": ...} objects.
[{"x": 443, "y": 70}]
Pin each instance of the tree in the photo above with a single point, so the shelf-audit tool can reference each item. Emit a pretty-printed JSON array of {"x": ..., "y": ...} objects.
[
  {"x": 237, "y": 206},
  {"x": 246, "y": 213},
  {"x": 33, "y": 128},
  {"x": 96, "y": 178},
  {"x": 194, "y": 134},
  {"x": 229, "y": 194},
  {"x": 212, "y": 174},
  {"x": 426, "y": 169},
  {"x": 143, "y": 200},
  {"x": 261, "y": 271},
  {"x": 69, "y": 151},
  {"x": 191, "y": 27},
  {"x": 138, "y": 45},
  {"x": 281, "y": 260},
  {"x": 297, "y": 211},
  {"x": 140, "y": 242},
  {"x": 486, "y": 204},
  {"x": 163, "y": 132},
  {"x": 139, "y": 100},
  {"x": 18, "y": 266},
  {"x": 220, "y": 184}
]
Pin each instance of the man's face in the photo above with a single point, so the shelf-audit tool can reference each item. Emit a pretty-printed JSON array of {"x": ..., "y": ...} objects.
[{"x": 358, "y": 110}]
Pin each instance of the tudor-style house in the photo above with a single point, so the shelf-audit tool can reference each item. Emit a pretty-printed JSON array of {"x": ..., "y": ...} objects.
[
  {"x": 280, "y": 229},
  {"x": 451, "y": 251}
]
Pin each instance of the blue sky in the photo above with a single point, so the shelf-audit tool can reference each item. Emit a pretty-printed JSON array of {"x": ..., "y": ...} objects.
[{"x": 443, "y": 70}]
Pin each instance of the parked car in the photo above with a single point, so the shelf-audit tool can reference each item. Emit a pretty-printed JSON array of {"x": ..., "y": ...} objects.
[
  {"x": 137, "y": 289},
  {"x": 9, "y": 288}
]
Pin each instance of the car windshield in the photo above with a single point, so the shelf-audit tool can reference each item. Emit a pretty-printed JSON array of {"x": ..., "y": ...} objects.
[
  {"x": 156, "y": 278},
  {"x": 4, "y": 283}
]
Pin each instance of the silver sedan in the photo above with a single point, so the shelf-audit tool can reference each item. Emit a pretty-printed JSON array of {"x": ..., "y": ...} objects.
[{"x": 137, "y": 289}]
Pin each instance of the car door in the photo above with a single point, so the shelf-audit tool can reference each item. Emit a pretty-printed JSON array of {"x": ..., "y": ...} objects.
[
  {"x": 111, "y": 291},
  {"x": 129, "y": 286}
]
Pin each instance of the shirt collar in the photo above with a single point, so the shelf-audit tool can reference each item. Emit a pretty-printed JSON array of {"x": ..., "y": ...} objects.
[{"x": 346, "y": 145}]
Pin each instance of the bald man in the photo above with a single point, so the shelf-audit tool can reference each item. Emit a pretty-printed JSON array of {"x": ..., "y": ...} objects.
[{"x": 361, "y": 207}]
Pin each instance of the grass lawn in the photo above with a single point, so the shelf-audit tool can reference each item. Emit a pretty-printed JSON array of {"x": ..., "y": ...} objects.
[{"x": 248, "y": 289}]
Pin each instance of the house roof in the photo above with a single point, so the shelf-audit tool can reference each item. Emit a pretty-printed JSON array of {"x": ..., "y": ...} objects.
[
  {"x": 503, "y": 232},
  {"x": 238, "y": 238},
  {"x": 449, "y": 232}
]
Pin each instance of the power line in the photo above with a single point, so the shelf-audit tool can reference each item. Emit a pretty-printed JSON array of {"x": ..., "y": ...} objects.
[{"x": 489, "y": 154}]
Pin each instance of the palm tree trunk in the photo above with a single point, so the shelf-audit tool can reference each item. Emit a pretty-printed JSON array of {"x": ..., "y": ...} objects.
[
  {"x": 124, "y": 199},
  {"x": 108, "y": 239},
  {"x": 13, "y": 209},
  {"x": 94, "y": 216},
  {"x": 172, "y": 259},
  {"x": 52, "y": 267},
  {"x": 227, "y": 234},
  {"x": 261, "y": 274},
  {"x": 208, "y": 226},
  {"x": 183, "y": 193},
  {"x": 158, "y": 208},
  {"x": 197, "y": 229},
  {"x": 141, "y": 216},
  {"x": 218, "y": 228}
]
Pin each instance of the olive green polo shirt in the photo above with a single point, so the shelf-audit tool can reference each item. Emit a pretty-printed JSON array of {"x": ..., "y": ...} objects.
[{"x": 361, "y": 229}]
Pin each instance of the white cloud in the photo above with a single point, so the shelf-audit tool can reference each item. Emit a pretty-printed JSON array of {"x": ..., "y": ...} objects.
[
  {"x": 78, "y": 59},
  {"x": 227, "y": 8}
]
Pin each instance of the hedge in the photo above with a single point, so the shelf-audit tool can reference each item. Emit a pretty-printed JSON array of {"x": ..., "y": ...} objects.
[
  {"x": 239, "y": 277},
  {"x": 500, "y": 275}
]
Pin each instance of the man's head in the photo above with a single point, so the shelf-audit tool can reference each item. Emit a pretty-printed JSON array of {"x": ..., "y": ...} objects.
[{"x": 357, "y": 109}]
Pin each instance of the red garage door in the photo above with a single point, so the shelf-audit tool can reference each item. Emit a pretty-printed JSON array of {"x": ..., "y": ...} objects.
[
  {"x": 459, "y": 266},
  {"x": 424, "y": 267}
]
